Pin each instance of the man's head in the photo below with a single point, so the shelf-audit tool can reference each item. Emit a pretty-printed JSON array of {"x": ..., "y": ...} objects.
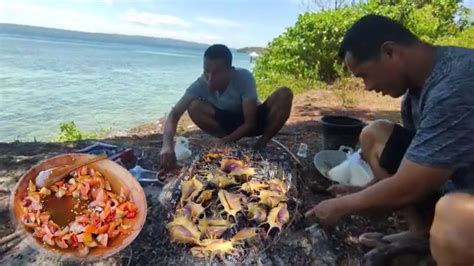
[
  {"x": 218, "y": 66},
  {"x": 374, "y": 50}
]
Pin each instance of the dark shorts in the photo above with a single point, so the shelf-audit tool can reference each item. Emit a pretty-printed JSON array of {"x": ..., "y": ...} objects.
[
  {"x": 230, "y": 121},
  {"x": 395, "y": 148},
  {"x": 390, "y": 159}
]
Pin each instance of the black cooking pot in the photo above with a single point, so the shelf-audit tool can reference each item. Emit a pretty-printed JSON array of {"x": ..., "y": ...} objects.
[{"x": 340, "y": 130}]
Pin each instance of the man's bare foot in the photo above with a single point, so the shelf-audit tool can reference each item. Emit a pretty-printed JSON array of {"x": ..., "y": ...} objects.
[
  {"x": 398, "y": 244},
  {"x": 374, "y": 239}
]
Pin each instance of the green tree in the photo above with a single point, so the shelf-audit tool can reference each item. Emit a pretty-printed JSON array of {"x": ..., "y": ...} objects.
[{"x": 306, "y": 53}]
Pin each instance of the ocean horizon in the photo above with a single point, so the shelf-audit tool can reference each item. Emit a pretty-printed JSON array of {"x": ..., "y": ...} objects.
[{"x": 113, "y": 86}]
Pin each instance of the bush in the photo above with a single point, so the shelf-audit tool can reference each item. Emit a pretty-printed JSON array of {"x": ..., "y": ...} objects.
[
  {"x": 306, "y": 53},
  {"x": 295, "y": 84},
  {"x": 463, "y": 39},
  {"x": 68, "y": 131},
  {"x": 307, "y": 50},
  {"x": 347, "y": 90}
]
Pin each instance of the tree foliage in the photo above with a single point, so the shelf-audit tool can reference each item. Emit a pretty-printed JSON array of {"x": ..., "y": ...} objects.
[{"x": 308, "y": 50}]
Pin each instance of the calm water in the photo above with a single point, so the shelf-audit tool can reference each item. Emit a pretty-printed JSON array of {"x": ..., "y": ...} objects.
[{"x": 44, "y": 82}]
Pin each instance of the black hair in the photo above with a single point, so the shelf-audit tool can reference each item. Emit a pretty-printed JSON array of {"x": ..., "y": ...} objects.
[
  {"x": 364, "y": 39},
  {"x": 219, "y": 51}
]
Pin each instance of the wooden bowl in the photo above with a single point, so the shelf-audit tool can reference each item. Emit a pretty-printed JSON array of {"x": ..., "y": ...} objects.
[{"x": 117, "y": 177}]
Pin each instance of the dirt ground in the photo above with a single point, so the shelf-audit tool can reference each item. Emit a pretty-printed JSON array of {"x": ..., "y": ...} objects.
[{"x": 300, "y": 244}]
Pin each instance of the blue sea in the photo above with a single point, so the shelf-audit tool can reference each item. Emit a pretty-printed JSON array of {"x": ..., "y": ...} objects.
[{"x": 45, "y": 81}]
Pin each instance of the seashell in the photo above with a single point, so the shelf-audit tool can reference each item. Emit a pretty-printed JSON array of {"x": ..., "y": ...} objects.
[
  {"x": 271, "y": 198},
  {"x": 211, "y": 247},
  {"x": 253, "y": 186},
  {"x": 191, "y": 210},
  {"x": 205, "y": 196},
  {"x": 242, "y": 171},
  {"x": 278, "y": 217},
  {"x": 257, "y": 212},
  {"x": 244, "y": 234},
  {"x": 278, "y": 186},
  {"x": 214, "y": 228},
  {"x": 182, "y": 230},
  {"x": 230, "y": 202},
  {"x": 221, "y": 180},
  {"x": 190, "y": 189},
  {"x": 228, "y": 165}
]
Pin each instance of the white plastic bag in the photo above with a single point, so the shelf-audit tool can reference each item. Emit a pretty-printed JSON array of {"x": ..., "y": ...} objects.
[
  {"x": 353, "y": 171},
  {"x": 181, "y": 149},
  {"x": 341, "y": 173},
  {"x": 361, "y": 174}
]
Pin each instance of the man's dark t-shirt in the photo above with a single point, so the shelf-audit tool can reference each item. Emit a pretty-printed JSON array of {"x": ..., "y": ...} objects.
[{"x": 443, "y": 117}]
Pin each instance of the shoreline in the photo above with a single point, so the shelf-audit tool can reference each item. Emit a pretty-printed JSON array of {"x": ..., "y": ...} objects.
[{"x": 307, "y": 107}]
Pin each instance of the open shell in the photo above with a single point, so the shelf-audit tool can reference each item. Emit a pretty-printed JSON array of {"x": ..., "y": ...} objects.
[
  {"x": 230, "y": 202},
  {"x": 184, "y": 231},
  {"x": 190, "y": 189},
  {"x": 278, "y": 217}
]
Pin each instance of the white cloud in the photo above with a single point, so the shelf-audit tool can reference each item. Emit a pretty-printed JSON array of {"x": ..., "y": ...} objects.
[
  {"x": 153, "y": 19},
  {"x": 220, "y": 22},
  {"x": 109, "y": 2},
  {"x": 21, "y": 12}
]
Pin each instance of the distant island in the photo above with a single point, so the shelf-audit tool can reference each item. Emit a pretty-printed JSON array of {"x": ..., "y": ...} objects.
[
  {"x": 42, "y": 32},
  {"x": 249, "y": 50}
]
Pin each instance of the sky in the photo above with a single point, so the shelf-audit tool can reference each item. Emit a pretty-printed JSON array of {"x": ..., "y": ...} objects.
[{"x": 237, "y": 23}]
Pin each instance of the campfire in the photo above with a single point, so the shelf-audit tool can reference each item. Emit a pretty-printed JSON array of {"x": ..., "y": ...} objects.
[{"x": 230, "y": 204}]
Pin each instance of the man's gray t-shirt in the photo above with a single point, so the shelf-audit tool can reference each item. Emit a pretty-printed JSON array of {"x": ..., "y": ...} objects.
[
  {"x": 241, "y": 87},
  {"x": 443, "y": 117}
]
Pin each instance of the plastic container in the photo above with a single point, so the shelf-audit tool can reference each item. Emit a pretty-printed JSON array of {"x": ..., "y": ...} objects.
[{"x": 340, "y": 131}]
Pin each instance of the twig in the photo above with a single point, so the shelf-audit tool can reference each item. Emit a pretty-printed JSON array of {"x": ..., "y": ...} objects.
[
  {"x": 10, "y": 241},
  {"x": 9, "y": 237},
  {"x": 288, "y": 151}
]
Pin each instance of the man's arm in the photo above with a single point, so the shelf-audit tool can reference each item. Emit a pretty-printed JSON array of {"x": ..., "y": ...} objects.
[
  {"x": 412, "y": 182},
  {"x": 167, "y": 155},
  {"x": 172, "y": 120},
  {"x": 250, "y": 122}
]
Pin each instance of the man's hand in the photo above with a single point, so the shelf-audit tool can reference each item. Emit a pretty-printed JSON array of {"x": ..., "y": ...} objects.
[
  {"x": 327, "y": 212},
  {"x": 167, "y": 158}
]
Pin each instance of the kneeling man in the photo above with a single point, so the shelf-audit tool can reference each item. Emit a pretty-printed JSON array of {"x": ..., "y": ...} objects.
[{"x": 223, "y": 102}]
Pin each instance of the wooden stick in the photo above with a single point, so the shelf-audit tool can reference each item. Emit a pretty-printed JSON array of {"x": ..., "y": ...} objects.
[
  {"x": 288, "y": 151},
  {"x": 9, "y": 245},
  {"x": 10, "y": 237}
]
